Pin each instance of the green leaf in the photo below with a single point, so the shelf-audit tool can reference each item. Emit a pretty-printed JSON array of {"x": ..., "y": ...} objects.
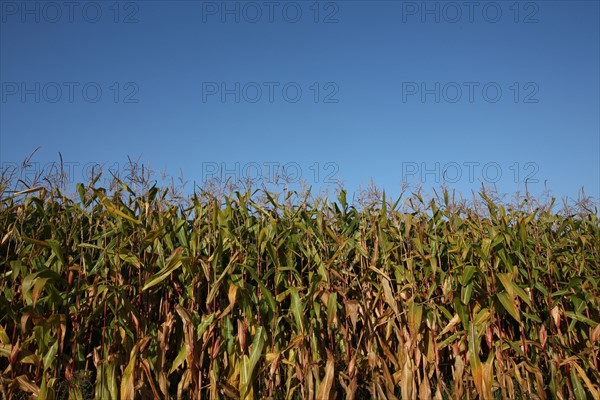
[
  {"x": 181, "y": 357},
  {"x": 509, "y": 305},
  {"x": 249, "y": 363},
  {"x": 81, "y": 191},
  {"x": 266, "y": 292},
  {"x": 462, "y": 312},
  {"x": 50, "y": 357},
  {"x": 581, "y": 318},
  {"x": 577, "y": 386},
  {"x": 468, "y": 274},
  {"x": 467, "y": 291},
  {"x": 473, "y": 343},
  {"x": 207, "y": 320},
  {"x": 297, "y": 308},
  {"x": 216, "y": 285},
  {"x": 172, "y": 263},
  {"x": 31, "y": 282}
]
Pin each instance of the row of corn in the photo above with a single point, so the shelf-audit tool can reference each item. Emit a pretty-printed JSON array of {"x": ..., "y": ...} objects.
[{"x": 121, "y": 294}]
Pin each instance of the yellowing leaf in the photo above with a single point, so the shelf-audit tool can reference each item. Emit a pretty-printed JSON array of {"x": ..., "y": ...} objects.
[{"x": 325, "y": 385}]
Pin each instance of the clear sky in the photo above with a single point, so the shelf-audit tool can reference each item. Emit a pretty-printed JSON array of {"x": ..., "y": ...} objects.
[{"x": 473, "y": 91}]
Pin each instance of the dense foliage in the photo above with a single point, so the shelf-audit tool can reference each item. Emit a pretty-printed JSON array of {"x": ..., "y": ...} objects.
[{"x": 117, "y": 294}]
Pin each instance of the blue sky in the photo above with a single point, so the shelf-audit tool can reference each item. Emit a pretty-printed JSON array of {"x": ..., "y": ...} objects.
[{"x": 393, "y": 91}]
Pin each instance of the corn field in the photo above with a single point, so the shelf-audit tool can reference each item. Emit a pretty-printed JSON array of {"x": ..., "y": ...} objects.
[{"x": 128, "y": 294}]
